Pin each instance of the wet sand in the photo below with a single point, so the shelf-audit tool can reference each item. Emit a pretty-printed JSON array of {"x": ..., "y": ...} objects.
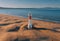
[{"x": 13, "y": 28}]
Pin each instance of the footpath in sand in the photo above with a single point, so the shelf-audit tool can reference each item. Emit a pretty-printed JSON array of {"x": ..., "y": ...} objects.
[{"x": 13, "y": 28}]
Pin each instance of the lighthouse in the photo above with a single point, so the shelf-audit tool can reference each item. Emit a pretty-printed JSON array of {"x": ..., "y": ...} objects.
[{"x": 29, "y": 21}]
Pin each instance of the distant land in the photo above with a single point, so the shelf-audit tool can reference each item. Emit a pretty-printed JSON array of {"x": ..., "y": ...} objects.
[{"x": 45, "y": 8}]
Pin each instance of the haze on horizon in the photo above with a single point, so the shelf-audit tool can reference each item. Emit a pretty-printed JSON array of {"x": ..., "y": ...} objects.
[{"x": 29, "y": 3}]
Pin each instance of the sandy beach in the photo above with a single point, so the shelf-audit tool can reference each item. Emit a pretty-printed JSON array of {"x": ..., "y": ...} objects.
[{"x": 13, "y": 28}]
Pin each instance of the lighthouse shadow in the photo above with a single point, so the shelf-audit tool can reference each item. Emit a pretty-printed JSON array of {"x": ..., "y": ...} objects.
[
  {"x": 34, "y": 28},
  {"x": 57, "y": 29}
]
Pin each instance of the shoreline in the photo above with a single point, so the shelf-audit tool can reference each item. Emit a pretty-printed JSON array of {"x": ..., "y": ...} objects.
[
  {"x": 35, "y": 19},
  {"x": 39, "y": 22}
]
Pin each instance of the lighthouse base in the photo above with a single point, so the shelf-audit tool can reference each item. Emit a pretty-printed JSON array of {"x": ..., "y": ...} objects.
[{"x": 29, "y": 26}]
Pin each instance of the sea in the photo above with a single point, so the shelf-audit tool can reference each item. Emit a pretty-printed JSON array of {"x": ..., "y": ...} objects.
[{"x": 50, "y": 15}]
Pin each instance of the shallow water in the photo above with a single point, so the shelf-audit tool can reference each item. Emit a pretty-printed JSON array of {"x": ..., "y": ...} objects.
[{"x": 39, "y": 14}]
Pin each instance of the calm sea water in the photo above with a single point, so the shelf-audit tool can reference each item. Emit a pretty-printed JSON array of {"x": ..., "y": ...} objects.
[{"x": 39, "y": 14}]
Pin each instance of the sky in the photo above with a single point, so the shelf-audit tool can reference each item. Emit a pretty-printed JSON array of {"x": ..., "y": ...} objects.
[{"x": 30, "y": 3}]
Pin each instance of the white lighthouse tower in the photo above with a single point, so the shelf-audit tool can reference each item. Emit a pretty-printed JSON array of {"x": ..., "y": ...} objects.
[{"x": 30, "y": 21}]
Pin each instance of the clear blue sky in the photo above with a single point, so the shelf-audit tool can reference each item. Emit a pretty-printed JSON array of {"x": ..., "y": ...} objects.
[{"x": 29, "y": 3}]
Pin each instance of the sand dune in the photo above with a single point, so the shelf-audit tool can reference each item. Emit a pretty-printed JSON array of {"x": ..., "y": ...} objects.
[{"x": 13, "y": 28}]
